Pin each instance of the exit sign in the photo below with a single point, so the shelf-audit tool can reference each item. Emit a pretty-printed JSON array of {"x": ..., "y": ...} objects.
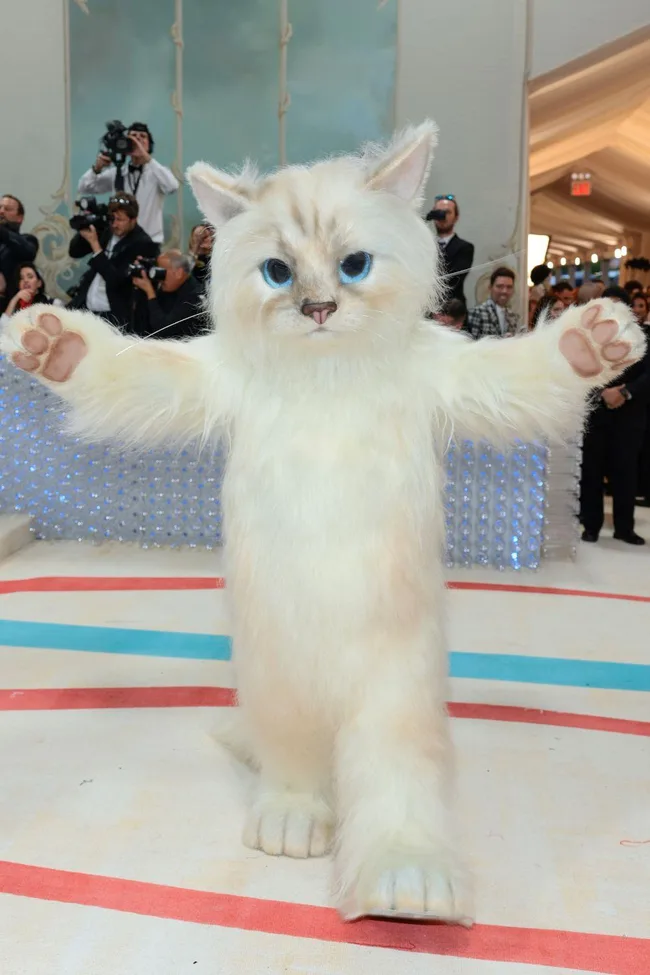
[{"x": 581, "y": 184}]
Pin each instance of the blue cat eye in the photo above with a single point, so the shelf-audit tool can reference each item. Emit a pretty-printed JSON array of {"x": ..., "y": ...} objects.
[
  {"x": 276, "y": 273},
  {"x": 355, "y": 267}
]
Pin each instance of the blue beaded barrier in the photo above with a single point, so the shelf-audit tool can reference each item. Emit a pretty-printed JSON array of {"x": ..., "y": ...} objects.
[{"x": 496, "y": 503}]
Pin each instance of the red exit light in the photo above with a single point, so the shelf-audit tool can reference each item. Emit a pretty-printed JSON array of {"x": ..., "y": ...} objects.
[{"x": 580, "y": 184}]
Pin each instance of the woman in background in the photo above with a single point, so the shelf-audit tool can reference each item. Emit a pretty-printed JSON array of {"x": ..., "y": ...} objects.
[
  {"x": 549, "y": 306},
  {"x": 31, "y": 290}
]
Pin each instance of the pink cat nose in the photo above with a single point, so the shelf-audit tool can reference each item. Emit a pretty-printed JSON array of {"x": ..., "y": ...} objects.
[{"x": 319, "y": 310}]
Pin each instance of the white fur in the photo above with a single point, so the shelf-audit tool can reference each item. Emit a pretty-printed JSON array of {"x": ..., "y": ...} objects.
[{"x": 332, "y": 504}]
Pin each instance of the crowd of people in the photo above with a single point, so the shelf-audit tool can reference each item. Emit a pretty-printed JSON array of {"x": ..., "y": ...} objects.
[
  {"x": 146, "y": 292},
  {"x": 129, "y": 279}
]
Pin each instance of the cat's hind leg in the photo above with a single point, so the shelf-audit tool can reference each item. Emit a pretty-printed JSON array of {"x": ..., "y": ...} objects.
[
  {"x": 290, "y": 814},
  {"x": 395, "y": 854}
]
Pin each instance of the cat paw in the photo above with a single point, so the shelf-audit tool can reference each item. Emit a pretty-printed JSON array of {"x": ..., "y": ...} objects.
[
  {"x": 290, "y": 825},
  {"x": 46, "y": 347},
  {"x": 410, "y": 887},
  {"x": 600, "y": 339}
]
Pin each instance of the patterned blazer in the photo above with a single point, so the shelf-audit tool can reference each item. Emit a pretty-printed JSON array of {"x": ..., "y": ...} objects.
[{"x": 484, "y": 320}]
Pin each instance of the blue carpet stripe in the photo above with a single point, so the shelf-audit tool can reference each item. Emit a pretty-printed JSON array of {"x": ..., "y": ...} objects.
[
  {"x": 204, "y": 646},
  {"x": 108, "y": 639}
]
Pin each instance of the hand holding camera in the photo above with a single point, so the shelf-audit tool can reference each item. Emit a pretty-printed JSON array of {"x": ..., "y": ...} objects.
[
  {"x": 102, "y": 162},
  {"x": 144, "y": 273},
  {"x": 90, "y": 234}
]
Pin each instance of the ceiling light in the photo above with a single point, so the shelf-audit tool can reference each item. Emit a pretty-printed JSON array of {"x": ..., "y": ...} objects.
[
  {"x": 617, "y": 253},
  {"x": 563, "y": 261},
  {"x": 623, "y": 251},
  {"x": 594, "y": 258},
  {"x": 577, "y": 261}
]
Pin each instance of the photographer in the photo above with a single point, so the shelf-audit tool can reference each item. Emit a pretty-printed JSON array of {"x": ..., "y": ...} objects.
[
  {"x": 175, "y": 308},
  {"x": 15, "y": 248},
  {"x": 145, "y": 178},
  {"x": 200, "y": 247},
  {"x": 456, "y": 254},
  {"x": 106, "y": 288}
]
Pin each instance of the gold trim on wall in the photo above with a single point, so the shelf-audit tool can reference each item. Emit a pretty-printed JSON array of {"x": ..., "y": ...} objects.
[
  {"x": 284, "y": 98},
  {"x": 177, "y": 230}
]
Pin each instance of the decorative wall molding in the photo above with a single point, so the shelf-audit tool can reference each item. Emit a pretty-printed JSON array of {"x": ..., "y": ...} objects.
[
  {"x": 284, "y": 98},
  {"x": 54, "y": 233}
]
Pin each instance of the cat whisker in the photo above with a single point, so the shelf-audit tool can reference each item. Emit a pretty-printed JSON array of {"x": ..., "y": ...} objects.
[
  {"x": 163, "y": 329},
  {"x": 479, "y": 267}
]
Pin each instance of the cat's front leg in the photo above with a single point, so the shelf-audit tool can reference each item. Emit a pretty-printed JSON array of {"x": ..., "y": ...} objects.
[
  {"x": 138, "y": 391},
  {"x": 395, "y": 857},
  {"x": 535, "y": 385}
]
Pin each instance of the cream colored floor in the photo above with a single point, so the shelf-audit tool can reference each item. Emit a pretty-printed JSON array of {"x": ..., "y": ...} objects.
[{"x": 555, "y": 820}]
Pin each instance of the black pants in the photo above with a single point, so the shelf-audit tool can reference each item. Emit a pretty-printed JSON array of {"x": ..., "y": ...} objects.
[
  {"x": 611, "y": 449},
  {"x": 643, "y": 486}
]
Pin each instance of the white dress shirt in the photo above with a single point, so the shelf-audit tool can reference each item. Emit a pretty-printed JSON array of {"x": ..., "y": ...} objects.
[
  {"x": 501, "y": 315},
  {"x": 97, "y": 299},
  {"x": 155, "y": 182}
]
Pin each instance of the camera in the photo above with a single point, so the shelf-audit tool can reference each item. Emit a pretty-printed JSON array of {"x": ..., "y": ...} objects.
[
  {"x": 116, "y": 143},
  {"x": 436, "y": 215},
  {"x": 148, "y": 266},
  {"x": 91, "y": 214}
]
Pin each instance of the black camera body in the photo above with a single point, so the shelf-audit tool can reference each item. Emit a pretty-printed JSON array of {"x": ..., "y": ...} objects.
[
  {"x": 116, "y": 143},
  {"x": 92, "y": 214},
  {"x": 147, "y": 266},
  {"x": 436, "y": 215}
]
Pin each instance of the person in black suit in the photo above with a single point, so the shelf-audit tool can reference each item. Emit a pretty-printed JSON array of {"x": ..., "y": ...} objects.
[
  {"x": 16, "y": 248},
  {"x": 106, "y": 287},
  {"x": 456, "y": 254},
  {"x": 612, "y": 445}
]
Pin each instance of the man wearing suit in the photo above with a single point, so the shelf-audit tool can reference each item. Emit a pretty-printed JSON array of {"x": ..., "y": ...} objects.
[
  {"x": 611, "y": 447},
  {"x": 456, "y": 254},
  {"x": 106, "y": 287},
  {"x": 16, "y": 248},
  {"x": 494, "y": 317}
]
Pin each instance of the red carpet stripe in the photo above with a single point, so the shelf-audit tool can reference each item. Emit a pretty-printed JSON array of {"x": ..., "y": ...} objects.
[
  {"x": 86, "y": 698},
  {"x": 168, "y": 583},
  {"x": 556, "y": 949},
  {"x": 110, "y": 584},
  {"x": 545, "y": 591}
]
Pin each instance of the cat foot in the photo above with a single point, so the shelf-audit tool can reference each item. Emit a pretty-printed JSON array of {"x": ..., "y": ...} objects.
[
  {"x": 49, "y": 349},
  {"x": 411, "y": 887},
  {"x": 600, "y": 337},
  {"x": 291, "y": 825}
]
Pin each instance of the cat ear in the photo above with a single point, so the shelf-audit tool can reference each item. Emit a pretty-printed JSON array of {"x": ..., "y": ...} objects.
[
  {"x": 403, "y": 168},
  {"x": 219, "y": 195}
]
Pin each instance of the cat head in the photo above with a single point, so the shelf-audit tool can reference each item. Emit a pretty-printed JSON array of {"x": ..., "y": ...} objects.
[{"x": 326, "y": 260}]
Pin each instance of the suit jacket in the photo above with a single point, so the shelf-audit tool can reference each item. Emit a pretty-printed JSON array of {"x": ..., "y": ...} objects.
[
  {"x": 126, "y": 302},
  {"x": 637, "y": 380},
  {"x": 456, "y": 259},
  {"x": 15, "y": 249},
  {"x": 484, "y": 320},
  {"x": 168, "y": 314}
]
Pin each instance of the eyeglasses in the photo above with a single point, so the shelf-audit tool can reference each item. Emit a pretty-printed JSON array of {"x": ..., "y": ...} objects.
[
  {"x": 445, "y": 196},
  {"x": 119, "y": 201}
]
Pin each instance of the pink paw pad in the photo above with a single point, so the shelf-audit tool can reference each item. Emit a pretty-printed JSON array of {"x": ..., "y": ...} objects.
[
  {"x": 592, "y": 346},
  {"x": 50, "y": 350}
]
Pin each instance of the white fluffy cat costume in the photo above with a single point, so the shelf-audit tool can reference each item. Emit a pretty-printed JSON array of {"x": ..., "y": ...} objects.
[{"x": 331, "y": 382}]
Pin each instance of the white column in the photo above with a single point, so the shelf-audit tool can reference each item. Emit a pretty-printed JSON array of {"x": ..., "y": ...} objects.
[
  {"x": 464, "y": 65},
  {"x": 33, "y": 103}
]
